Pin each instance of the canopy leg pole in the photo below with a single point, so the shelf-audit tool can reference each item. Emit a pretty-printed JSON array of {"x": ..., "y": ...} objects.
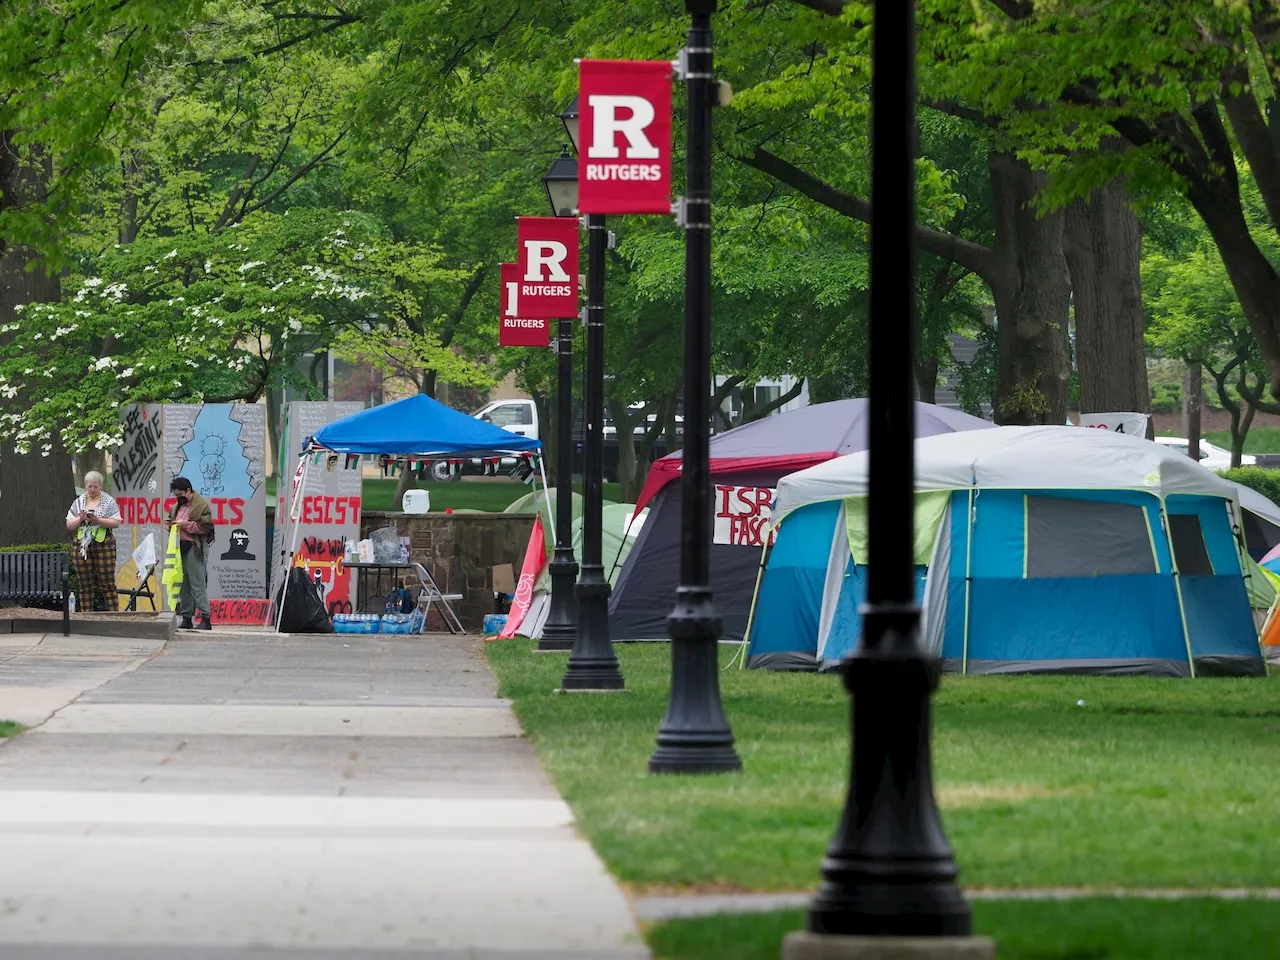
[
  {"x": 294, "y": 528},
  {"x": 546, "y": 498}
]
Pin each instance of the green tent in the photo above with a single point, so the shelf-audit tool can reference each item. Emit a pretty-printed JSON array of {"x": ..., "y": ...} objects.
[{"x": 618, "y": 532}]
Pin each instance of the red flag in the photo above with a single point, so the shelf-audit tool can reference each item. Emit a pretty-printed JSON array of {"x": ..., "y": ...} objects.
[
  {"x": 534, "y": 557},
  {"x": 513, "y": 330},
  {"x": 548, "y": 267},
  {"x": 625, "y": 108}
]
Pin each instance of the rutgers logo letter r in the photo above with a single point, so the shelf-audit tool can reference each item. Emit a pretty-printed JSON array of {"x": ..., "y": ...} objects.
[
  {"x": 550, "y": 254},
  {"x": 606, "y": 125}
]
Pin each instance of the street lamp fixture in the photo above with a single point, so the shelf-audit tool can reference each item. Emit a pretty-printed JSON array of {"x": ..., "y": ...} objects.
[
  {"x": 569, "y": 117},
  {"x": 561, "y": 627},
  {"x": 694, "y": 736},
  {"x": 592, "y": 663},
  {"x": 561, "y": 184},
  {"x": 889, "y": 875}
]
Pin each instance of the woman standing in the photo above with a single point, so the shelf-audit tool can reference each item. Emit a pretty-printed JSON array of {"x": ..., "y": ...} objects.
[{"x": 91, "y": 518}]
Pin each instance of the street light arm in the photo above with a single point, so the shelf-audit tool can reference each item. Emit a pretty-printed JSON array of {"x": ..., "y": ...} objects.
[{"x": 972, "y": 256}]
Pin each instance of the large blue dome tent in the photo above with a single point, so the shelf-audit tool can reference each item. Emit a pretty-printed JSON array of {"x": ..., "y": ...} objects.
[
  {"x": 1039, "y": 549},
  {"x": 745, "y": 463}
]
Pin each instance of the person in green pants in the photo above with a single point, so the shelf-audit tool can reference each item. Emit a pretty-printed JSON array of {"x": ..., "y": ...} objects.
[{"x": 191, "y": 514}]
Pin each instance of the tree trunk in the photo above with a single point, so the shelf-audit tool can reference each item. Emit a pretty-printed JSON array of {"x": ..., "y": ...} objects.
[
  {"x": 927, "y": 380},
  {"x": 1195, "y": 391},
  {"x": 1254, "y": 279},
  {"x": 1032, "y": 294},
  {"x": 1104, "y": 254},
  {"x": 35, "y": 490}
]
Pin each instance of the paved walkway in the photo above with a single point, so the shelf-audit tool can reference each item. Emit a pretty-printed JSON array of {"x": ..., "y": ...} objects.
[{"x": 306, "y": 797}]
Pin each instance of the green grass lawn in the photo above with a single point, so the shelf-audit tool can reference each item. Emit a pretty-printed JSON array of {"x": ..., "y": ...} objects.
[
  {"x": 10, "y": 729},
  {"x": 1034, "y": 930},
  {"x": 1152, "y": 782},
  {"x": 1257, "y": 440}
]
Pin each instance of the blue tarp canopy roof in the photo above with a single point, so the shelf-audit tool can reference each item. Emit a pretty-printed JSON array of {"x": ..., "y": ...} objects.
[{"x": 418, "y": 426}]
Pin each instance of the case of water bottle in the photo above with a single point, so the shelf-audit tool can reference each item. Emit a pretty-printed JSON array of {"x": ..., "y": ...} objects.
[
  {"x": 399, "y": 622},
  {"x": 357, "y": 622}
]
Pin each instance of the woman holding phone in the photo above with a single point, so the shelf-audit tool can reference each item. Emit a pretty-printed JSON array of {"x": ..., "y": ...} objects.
[{"x": 92, "y": 518}]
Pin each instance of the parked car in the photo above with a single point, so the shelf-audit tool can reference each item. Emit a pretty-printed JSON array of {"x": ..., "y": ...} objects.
[{"x": 1211, "y": 455}]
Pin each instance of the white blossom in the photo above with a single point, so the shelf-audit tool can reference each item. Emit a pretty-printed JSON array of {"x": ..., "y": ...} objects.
[
  {"x": 171, "y": 254},
  {"x": 208, "y": 266}
]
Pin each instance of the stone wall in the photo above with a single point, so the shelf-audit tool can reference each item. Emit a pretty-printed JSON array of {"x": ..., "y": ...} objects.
[{"x": 460, "y": 551}]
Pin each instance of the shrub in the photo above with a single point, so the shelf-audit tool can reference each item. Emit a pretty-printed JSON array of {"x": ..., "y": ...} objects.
[
  {"x": 1166, "y": 397},
  {"x": 1266, "y": 482}
]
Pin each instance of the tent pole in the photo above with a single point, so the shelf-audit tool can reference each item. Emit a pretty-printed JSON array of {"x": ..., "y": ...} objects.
[
  {"x": 968, "y": 583},
  {"x": 294, "y": 528}
]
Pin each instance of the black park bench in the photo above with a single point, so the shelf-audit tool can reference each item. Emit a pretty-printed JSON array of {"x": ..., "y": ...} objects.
[{"x": 42, "y": 575}]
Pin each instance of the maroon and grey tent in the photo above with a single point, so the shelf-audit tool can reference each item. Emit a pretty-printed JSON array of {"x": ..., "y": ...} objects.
[{"x": 746, "y": 464}]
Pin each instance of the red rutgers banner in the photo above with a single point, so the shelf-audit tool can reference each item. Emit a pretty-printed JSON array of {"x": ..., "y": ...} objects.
[
  {"x": 624, "y": 111},
  {"x": 514, "y": 330},
  {"x": 548, "y": 267}
]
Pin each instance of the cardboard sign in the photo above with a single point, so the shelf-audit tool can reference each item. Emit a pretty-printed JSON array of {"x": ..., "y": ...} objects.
[
  {"x": 504, "y": 578},
  {"x": 513, "y": 330},
  {"x": 548, "y": 267},
  {"x": 1130, "y": 424},
  {"x": 742, "y": 515},
  {"x": 625, "y": 123},
  {"x": 320, "y": 516}
]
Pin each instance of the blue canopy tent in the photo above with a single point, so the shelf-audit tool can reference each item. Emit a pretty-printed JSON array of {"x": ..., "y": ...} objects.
[
  {"x": 420, "y": 427},
  {"x": 416, "y": 427}
]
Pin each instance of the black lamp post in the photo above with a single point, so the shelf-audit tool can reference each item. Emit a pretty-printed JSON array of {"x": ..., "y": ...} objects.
[
  {"x": 592, "y": 664},
  {"x": 694, "y": 736},
  {"x": 561, "y": 627},
  {"x": 889, "y": 872}
]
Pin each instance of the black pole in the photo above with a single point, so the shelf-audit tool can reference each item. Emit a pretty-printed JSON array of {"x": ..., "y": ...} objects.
[
  {"x": 889, "y": 871},
  {"x": 561, "y": 627},
  {"x": 592, "y": 664},
  {"x": 694, "y": 736}
]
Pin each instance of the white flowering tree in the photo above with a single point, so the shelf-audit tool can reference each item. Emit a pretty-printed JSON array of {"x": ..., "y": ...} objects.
[{"x": 212, "y": 317}]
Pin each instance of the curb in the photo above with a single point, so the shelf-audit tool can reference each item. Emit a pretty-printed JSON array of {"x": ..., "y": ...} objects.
[{"x": 138, "y": 629}]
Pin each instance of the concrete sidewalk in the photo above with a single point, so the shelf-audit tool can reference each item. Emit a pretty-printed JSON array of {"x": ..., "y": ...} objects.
[{"x": 308, "y": 797}]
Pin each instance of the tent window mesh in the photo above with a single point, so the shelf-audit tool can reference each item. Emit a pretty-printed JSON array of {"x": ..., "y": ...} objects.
[
  {"x": 1086, "y": 538},
  {"x": 1188, "y": 546}
]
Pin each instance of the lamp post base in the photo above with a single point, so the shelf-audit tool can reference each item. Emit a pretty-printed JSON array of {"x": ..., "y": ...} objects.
[
  {"x": 592, "y": 664},
  {"x": 889, "y": 872},
  {"x": 694, "y": 736},
  {"x": 816, "y": 946},
  {"x": 560, "y": 630}
]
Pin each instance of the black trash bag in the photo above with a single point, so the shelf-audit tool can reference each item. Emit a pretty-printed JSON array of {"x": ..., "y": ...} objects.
[{"x": 303, "y": 610}]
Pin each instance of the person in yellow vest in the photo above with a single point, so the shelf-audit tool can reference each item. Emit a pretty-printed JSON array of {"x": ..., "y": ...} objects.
[
  {"x": 92, "y": 518},
  {"x": 191, "y": 515}
]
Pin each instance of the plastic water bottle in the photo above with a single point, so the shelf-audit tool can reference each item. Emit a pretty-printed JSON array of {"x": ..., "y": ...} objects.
[{"x": 71, "y": 602}]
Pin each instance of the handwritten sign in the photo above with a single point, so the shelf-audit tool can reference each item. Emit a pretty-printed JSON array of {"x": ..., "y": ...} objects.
[{"x": 742, "y": 515}]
